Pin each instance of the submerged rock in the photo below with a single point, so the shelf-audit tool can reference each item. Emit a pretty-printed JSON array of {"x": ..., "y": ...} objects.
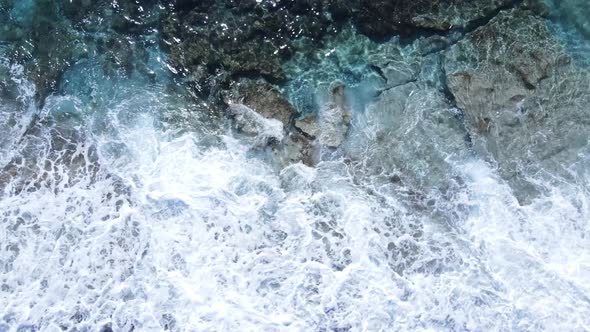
[
  {"x": 54, "y": 153},
  {"x": 334, "y": 118},
  {"x": 383, "y": 18},
  {"x": 518, "y": 91},
  {"x": 575, "y": 12},
  {"x": 411, "y": 135},
  {"x": 52, "y": 36}
]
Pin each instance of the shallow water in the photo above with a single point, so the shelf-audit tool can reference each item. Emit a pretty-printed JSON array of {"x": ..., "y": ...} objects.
[{"x": 125, "y": 204}]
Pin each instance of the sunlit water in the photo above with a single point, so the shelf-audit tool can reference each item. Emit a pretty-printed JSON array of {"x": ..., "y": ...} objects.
[{"x": 117, "y": 213}]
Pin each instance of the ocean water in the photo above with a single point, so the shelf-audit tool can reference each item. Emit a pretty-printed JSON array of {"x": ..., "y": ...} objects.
[{"x": 126, "y": 205}]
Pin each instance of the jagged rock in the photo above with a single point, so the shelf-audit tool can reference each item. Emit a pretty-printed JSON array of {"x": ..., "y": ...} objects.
[
  {"x": 268, "y": 123},
  {"x": 259, "y": 129},
  {"x": 266, "y": 107},
  {"x": 233, "y": 38},
  {"x": 393, "y": 66},
  {"x": 309, "y": 125},
  {"x": 297, "y": 176},
  {"x": 518, "y": 91},
  {"x": 263, "y": 98},
  {"x": 382, "y": 18},
  {"x": 295, "y": 148}
]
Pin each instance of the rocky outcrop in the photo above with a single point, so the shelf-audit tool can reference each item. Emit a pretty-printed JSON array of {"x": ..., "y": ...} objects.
[
  {"x": 382, "y": 18},
  {"x": 523, "y": 100},
  {"x": 263, "y": 98},
  {"x": 244, "y": 39},
  {"x": 329, "y": 126},
  {"x": 265, "y": 117},
  {"x": 262, "y": 131}
]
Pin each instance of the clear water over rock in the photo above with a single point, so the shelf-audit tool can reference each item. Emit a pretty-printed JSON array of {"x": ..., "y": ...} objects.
[
  {"x": 524, "y": 100},
  {"x": 162, "y": 168}
]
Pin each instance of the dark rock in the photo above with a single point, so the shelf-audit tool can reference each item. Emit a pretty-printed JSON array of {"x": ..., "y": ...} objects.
[
  {"x": 383, "y": 18},
  {"x": 54, "y": 35},
  {"x": 106, "y": 328},
  {"x": 240, "y": 39},
  {"x": 263, "y": 98}
]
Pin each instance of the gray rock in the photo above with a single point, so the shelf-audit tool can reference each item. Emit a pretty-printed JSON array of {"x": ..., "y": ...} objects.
[
  {"x": 265, "y": 116},
  {"x": 410, "y": 135},
  {"x": 524, "y": 102},
  {"x": 309, "y": 125},
  {"x": 334, "y": 118},
  {"x": 264, "y": 99},
  {"x": 258, "y": 129},
  {"x": 395, "y": 67},
  {"x": 295, "y": 148}
]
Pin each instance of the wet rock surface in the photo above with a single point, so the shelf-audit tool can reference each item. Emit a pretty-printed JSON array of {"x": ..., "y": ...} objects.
[
  {"x": 48, "y": 37},
  {"x": 416, "y": 136},
  {"x": 232, "y": 39},
  {"x": 519, "y": 92},
  {"x": 264, "y": 113},
  {"x": 261, "y": 130},
  {"x": 334, "y": 118},
  {"x": 263, "y": 98},
  {"x": 380, "y": 19},
  {"x": 497, "y": 64}
]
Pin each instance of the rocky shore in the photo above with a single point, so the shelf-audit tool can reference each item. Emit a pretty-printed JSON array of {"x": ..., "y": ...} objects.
[{"x": 506, "y": 83}]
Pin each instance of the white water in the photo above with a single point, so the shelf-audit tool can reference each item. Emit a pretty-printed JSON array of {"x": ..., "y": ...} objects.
[{"x": 186, "y": 229}]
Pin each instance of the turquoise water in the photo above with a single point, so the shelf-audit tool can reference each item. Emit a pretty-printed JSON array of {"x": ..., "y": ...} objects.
[{"x": 130, "y": 202}]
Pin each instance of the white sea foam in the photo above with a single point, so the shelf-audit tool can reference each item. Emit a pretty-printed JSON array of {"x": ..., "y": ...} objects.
[{"x": 187, "y": 231}]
